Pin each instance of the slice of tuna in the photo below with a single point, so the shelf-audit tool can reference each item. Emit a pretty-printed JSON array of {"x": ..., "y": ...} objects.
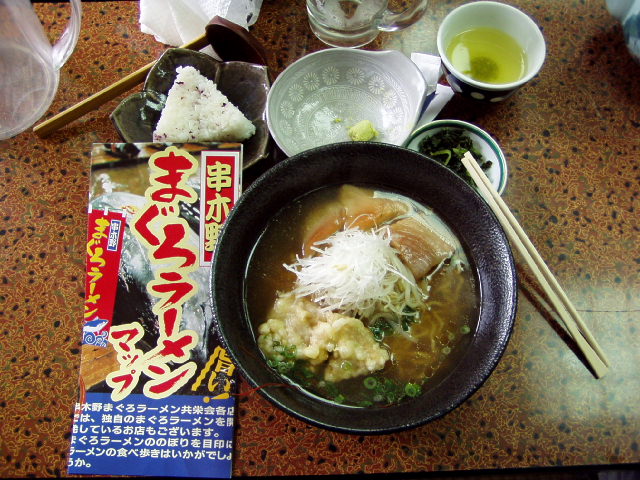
[{"x": 420, "y": 248}]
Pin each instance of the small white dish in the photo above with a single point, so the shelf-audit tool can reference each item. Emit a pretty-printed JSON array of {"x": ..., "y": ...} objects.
[
  {"x": 489, "y": 148},
  {"x": 319, "y": 97}
]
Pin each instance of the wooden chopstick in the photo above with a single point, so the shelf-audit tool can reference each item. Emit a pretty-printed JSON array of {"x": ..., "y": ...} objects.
[
  {"x": 519, "y": 239},
  {"x": 109, "y": 93}
]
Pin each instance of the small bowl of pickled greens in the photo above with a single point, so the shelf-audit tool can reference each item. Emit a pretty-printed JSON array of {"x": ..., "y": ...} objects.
[{"x": 446, "y": 141}]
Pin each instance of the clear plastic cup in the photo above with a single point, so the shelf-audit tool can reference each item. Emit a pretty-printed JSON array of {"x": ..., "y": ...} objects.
[{"x": 29, "y": 64}]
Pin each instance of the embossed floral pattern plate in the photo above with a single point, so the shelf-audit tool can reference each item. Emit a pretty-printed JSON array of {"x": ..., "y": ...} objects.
[{"x": 318, "y": 98}]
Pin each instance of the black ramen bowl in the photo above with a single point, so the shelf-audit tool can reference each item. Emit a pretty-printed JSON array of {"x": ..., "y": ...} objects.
[{"x": 389, "y": 168}]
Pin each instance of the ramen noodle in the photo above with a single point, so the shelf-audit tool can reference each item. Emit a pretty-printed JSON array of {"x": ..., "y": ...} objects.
[{"x": 360, "y": 296}]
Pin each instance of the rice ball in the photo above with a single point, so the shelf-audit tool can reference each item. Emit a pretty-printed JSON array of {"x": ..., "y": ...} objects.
[{"x": 196, "y": 111}]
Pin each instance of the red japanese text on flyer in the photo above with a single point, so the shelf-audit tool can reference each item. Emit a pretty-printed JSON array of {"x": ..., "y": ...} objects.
[{"x": 156, "y": 385}]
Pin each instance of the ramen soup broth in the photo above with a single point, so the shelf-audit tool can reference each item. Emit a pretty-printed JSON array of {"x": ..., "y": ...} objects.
[{"x": 424, "y": 349}]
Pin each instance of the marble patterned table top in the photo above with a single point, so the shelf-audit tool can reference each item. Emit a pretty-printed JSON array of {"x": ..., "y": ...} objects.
[{"x": 572, "y": 142}]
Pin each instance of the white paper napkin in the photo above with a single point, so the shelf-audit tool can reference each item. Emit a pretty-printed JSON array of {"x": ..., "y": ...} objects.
[
  {"x": 437, "y": 94},
  {"x": 435, "y": 103},
  {"x": 176, "y": 22}
]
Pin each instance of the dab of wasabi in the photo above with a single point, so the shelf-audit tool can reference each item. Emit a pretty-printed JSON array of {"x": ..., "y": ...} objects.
[{"x": 363, "y": 131}]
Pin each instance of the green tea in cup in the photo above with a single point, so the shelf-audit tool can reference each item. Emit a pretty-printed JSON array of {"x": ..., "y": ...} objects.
[
  {"x": 487, "y": 55},
  {"x": 489, "y": 49}
]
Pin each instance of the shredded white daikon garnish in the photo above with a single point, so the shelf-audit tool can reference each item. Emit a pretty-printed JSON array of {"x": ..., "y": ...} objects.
[{"x": 357, "y": 272}]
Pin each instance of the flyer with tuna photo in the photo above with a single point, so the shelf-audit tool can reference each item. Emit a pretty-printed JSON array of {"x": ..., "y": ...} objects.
[{"x": 156, "y": 385}]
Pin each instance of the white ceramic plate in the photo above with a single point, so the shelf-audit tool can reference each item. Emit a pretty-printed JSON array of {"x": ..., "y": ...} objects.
[{"x": 317, "y": 98}]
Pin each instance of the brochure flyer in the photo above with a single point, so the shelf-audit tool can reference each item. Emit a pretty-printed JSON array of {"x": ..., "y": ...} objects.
[{"x": 156, "y": 384}]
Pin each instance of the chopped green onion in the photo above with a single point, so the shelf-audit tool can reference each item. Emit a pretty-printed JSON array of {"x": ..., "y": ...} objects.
[
  {"x": 380, "y": 328},
  {"x": 412, "y": 389},
  {"x": 290, "y": 352},
  {"x": 370, "y": 383},
  {"x": 409, "y": 316}
]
